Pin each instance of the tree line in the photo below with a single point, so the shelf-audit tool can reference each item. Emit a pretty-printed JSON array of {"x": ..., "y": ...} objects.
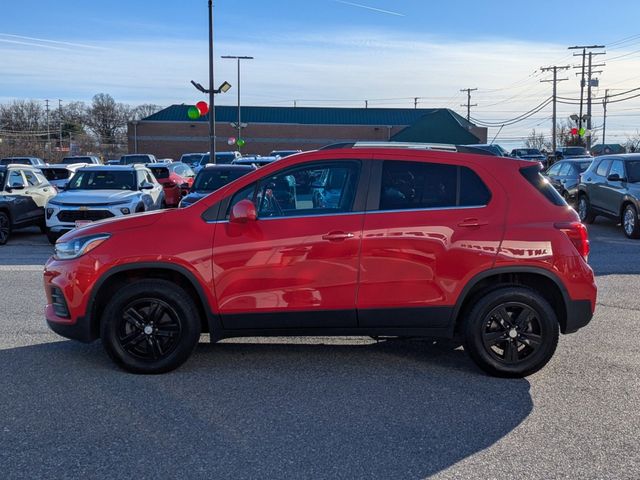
[{"x": 97, "y": 128}]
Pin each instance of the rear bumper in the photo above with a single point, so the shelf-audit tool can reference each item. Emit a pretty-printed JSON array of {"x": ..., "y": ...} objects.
[{"x": 579, "y": 314}]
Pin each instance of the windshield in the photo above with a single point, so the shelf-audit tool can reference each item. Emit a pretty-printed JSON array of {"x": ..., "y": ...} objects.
[
  {"x": 575, "y": 151},
  {"x": 129, "y": 159},
  {"x": 102, "y": 180},
  {"x": 210, "y": 180},
  {"x": 70, "y": 160},
  {"x": 633, "y": 171},
  {"x": 55, "y": 173},
  {"x": 582, "y": 166},
  {"x": 191, "y": 159},
  {"x": 19, "y": 161},
  {"x": 160, "y": 172}
]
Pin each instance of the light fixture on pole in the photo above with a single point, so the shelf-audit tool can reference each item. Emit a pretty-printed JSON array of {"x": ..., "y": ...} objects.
[{"x": 239, "y": 124}]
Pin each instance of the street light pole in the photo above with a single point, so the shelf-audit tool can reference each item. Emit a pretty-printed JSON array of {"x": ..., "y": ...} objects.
[
  {"x": 212, "y": 108},
  {"x": 238, "y": 58}
]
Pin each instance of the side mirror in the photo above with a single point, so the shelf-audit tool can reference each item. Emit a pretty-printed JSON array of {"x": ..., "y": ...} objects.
[
  {"x": 243, "y": 212},
  {"x": 64, "y": 186},
  {"x": 184, "y": 186},
  {"x": 614, "y": 177},
  {"x": 15, "y": 186},
  {"x": 146, "y": 186}
]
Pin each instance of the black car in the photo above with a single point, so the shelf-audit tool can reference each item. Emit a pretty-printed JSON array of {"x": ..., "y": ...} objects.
[
  {"x": 572, "y": 152},
  {"x": 529, "y": 154},
  {"x": 565, "y": 177},
  {"x": 611, "y": 187},
  {"x": 24, "y": 192},
  {"x": 211, "y": 178}
]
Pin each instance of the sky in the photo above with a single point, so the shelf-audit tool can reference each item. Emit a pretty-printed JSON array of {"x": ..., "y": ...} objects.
[{"x": 328, "y": 53}]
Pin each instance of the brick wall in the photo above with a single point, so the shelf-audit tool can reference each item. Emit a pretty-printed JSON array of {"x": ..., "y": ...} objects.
[{"x": 172, "y": 139}]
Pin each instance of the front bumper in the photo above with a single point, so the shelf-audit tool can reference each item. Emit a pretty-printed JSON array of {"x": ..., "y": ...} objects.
[{"x": 62, "y": 218}]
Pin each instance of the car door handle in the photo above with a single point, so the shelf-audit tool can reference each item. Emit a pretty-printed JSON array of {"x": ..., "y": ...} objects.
[
  {"x": 337, "y": 236},
  {"x": 472, "y": 222}
]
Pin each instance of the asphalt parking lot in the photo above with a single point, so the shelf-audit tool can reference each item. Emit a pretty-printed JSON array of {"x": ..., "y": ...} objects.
[{"x": 321, "y": 408}]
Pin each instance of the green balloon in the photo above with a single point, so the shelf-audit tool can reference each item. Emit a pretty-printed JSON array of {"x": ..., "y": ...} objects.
[
  {"x": 581, "y": 131},
  {"x": 240, "y": 142},
  {"x": 193, "y": 113}
]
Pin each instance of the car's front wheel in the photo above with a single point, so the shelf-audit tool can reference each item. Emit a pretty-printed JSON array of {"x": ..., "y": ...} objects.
[
  {"x": 150, "y": 326},
  {"x": 511, "y": 332},
  {"x": 5, "y": 228},
  {"x": 630, "y": 223},
  {"x": 584, "y": 209}
]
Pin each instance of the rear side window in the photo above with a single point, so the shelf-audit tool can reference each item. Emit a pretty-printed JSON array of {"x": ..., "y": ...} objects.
[
  {"x": 55, "y": 173},
  {"x": 417, "y": 185},
  {"x": 603, "y": 167},
  {"x": 532, "y": 174}
]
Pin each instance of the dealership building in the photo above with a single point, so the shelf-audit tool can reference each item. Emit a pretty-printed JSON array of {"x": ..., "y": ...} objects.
[{"x": 170, "y": 132}]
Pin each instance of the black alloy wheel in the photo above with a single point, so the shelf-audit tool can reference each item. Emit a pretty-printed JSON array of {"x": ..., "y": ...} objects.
[
  {"x": 150, "y": 326},
  {"x": 510, "y": 331},
  {"x": 149, "y": 329},
  {"x": 5, "y": 228}
]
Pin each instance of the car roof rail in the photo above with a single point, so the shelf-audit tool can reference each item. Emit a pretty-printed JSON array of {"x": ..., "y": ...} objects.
[{"x": 445, "y": 147}]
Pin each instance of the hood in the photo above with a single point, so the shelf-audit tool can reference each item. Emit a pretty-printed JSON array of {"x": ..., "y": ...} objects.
[
  {"x": 116, "y": 224},
  {"x": 95, "y": 197}
]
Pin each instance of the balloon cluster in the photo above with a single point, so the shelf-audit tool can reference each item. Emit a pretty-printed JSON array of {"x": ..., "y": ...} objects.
[
  {"x": 580, "y": 131},
  {"x": 200, "y": 109}
]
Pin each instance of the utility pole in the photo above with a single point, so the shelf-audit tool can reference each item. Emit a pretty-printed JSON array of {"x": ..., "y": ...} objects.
[
  {"x": 584, "y": 49},
  {"x": 46, "y": 102},
  {"x": 212, "y": 107},
  {"x": 415, "y": 102},
  {"x": 589, "y": 85},
  {"x": 555, "y": 81},
  {"x": 239, "y": 125},
  {"x": 60, "y": 121},
  {"x": 468, "y": 105},
  {"x": 604, "y": 122},
  {"x": 366, "y": 104}
]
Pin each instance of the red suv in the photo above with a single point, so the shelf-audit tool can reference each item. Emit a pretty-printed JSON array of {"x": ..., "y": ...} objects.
[
  {"x": 405, "y": 242},
  {"x": 176, "y": 180}
]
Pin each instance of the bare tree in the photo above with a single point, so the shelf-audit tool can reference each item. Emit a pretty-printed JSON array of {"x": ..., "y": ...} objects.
[
  {"x": 537, "y": 140},
  {"x": 633, "y": 142},
  {"x": 144, "y": 110},
  {"x": 22, "y": 128},
  {"x": 107, "y": 120}
]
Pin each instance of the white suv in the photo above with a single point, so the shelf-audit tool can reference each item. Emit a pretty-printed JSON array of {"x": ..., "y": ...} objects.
[{"x": 99, "y": 192}]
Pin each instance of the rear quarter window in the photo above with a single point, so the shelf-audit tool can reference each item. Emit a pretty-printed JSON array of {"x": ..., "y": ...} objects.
[{"x": 533, "y": 176}]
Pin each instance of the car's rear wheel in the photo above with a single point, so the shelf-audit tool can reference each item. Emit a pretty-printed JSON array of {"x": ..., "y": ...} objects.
[
  {"x": 5, "y": 228},
  {"x": 630, "y": 223},
  {"x": 150, "y": 326},
  {"x": 511, "y": 332},
  {"x": 584, "y": 210}
]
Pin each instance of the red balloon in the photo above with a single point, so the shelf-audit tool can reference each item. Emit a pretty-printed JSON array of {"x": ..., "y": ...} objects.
[
  {"x": 202, "y": 107},
  {"x": 574, "y": 131}
]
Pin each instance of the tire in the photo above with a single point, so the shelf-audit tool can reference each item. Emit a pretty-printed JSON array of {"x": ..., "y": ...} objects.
[
  {"x": 5, "y": 228},
  {"x": 511, "y": 332},
  {"x": 52, "y": 236},
  {"x": 159, "y": 331},
  {"x": 584, "y": 209},
  {"x": 630, "y": 221}
]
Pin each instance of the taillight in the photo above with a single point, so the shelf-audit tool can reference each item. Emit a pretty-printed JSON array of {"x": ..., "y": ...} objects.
[{"x": 577, "y": 233}]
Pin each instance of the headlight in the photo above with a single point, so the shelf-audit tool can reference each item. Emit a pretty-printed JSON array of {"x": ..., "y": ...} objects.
[{"x": 79, "y": 246}]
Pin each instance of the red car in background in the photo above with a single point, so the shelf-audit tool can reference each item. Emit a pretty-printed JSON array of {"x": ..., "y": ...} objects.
[{"x": 176, "y": 180}]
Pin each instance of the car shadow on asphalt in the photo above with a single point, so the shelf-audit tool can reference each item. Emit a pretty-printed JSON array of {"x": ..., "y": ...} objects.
[{"x": 394, "y": 409}]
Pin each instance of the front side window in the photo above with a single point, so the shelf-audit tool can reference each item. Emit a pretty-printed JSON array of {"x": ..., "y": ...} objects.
[
  {"x": 603, "y": 167},
  {"x": 617, "y": 167},
  {"x": 417, "y": 185},
  {"x": 15, "y": 179},
  {"x": 320, "y": 189},
  {"x": 565, "y": 170}
]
